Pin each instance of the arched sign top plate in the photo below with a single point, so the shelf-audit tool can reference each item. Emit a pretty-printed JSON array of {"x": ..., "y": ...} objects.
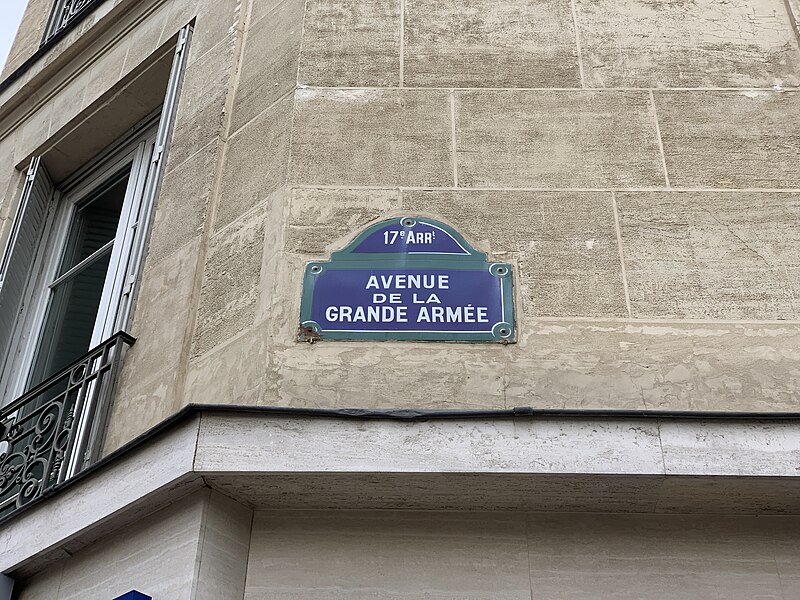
[
  {"x": 409, "y": 278},
  {"x": 411, "y": 236}
]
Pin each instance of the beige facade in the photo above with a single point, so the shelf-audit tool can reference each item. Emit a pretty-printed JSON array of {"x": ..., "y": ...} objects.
[
  {"x": 635, "y": 161},
  {"x": 372, "y": 555},
  {"x": 301, "y": 507}
]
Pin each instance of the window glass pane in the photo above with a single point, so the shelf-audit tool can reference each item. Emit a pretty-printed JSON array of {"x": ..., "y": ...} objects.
[
  {"x": 74, "y": 301},
  {"x": 95, "y": 223},
  {"x": 70, "y": 318}
]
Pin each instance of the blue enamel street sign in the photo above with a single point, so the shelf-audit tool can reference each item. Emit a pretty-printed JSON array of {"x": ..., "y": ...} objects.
[
  {"x": 408, "y": 279},
  {"x": 133, "y": 595}
]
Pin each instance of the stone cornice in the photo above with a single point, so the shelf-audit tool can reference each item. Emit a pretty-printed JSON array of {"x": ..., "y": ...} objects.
[{"x": 487, "y": 460}]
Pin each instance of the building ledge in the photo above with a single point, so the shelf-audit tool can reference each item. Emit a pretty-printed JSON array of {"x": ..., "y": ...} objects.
[
  {"x": 284, "y": 458},
  {"x": 49, "y": 43},
  {"x": 49, "y": 62}
]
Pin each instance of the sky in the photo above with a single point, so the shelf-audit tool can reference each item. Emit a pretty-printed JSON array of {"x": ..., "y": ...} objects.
[{"x": 10, "y": 16}]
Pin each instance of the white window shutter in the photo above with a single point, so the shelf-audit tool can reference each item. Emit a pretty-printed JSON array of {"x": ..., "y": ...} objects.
[
  {"x": 153, "y": 183},
  {"x": 20, "y": 253}
]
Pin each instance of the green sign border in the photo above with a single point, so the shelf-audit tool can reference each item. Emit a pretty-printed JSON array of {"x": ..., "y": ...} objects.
[{"x": 345, "y": 259}]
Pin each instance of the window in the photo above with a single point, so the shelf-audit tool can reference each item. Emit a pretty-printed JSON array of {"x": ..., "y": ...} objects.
[
  {"x": 68, "y": 274},
  {"x": 64, "y": 12},
  {"x": 79, "y": 293},
  {"x": 85, "y": 275}
]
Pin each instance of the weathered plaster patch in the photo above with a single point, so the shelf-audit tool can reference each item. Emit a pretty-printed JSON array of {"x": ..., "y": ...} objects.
[{"x": 349, "y": 96}]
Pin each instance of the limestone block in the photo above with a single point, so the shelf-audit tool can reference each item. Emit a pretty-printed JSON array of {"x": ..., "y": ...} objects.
[
  {"x": 142, "y": 400},
  {"x": 269, "y": 63},
  {"x": 166, "y": 289},
  {"x": 192, "y": 134},
  {"x": 79, "y": 514},
  {"x": 144, "y": 39},
  {"x": 388, "y": 555},
  {"x": 230, "y": 287},
  {"x": 11, "y": 88},
  {"x": 108, "y": 569},
  {"x": 645, "y": 556},
  {"x": 484, "y": 43},
  {"x": 320, "y": 218},
  {"x": 371, "y": 137},
  {"x": 351, "y": 43},
  {"x": 146, "y": 390},
  {"x": 68, "y": 103},
  {"x": 498, "y": 492},
  {"x": 233, "y": 373},
  {"x": 106, "y": 71},
  {"x": 687, "y": 43},
  {"x": 556, "y": 139},
  {"x": 256, "y": 163},
  {"x": 56, "y": 51},
  {"x": 494, "y": 446},
  {"x": 272, "y": 263},
  {"x": 785, "y": 537},
  {"x": 261, "y": 8},
  {"x": 789, "y": 572},
  {"x": 720, "y": 139},
  {"x": 365, "y": 375},
  {"x": 180, "y": 14},
  {"x": 447, "y": 491},
  {"x": 182, "y": 204},
  {"x": 698, "y": 366},
  {"x": 224, "y": 550},
  {"x": 564, "y": 244},
  {"x": 43, "y": 586},
  {"x": 729, "y": 255},
  {"x": 28, "y": 36},
  {"x": 719, "y": 495},
  {"x": 10, "y": 187},
  {"x": 84, "y": 139},
  {"x": 35, "y": 131},
  {"x": 7, "y": 152},
  {"x": 201, "y": 105},
  {"x": 793, "y": 7},
  {"x": 217, "y": 21},
  {"x": 762, "y": 448},
  {"x": 206, "y": 80}
]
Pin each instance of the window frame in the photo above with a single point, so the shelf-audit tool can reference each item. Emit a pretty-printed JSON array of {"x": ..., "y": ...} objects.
[
  {"x": 54, "y": 22},
  {"x": 152, "y": 135},
  {"x": 136, "y": 150}
]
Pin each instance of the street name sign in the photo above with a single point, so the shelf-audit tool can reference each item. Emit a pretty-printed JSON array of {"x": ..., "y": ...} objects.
[{"x": 409, "y": 278}]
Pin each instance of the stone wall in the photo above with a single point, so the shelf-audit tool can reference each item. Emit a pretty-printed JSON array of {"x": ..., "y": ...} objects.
[
  {"x": 208, "y": 546},
  {"x": 520, "y": 556},
  {"x": 634, "y": 161},
  {"x": 195, "y": 549},
  {"x": 74, "y": 93}
]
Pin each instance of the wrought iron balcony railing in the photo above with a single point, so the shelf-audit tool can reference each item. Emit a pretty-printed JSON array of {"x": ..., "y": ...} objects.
[
  {"x": 64, "y": 12},
  {"x": 54, "y": 431}
]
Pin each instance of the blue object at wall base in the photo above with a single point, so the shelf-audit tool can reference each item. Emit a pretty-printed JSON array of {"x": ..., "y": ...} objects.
[{"x": 6, "y": 587}]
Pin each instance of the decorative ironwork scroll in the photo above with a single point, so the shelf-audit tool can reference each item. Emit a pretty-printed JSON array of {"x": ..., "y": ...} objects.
[
  {"x": 65, "y": 12},
  {"x": 52, "y": 431}
]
